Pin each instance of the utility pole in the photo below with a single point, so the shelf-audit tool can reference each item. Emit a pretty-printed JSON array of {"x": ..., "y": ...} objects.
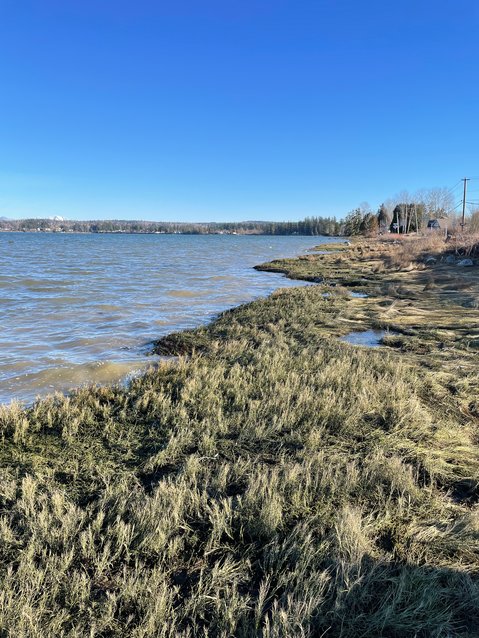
[{"x": 465, "y": 180}]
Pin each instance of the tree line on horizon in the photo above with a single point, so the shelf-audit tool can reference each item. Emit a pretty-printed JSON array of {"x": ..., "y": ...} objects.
[
  {"x": 403, "y": 213},
  {"x": 308, "y": 226}
]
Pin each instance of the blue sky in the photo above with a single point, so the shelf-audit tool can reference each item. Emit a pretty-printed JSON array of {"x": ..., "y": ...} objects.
[{"x": 230, "y": 110}]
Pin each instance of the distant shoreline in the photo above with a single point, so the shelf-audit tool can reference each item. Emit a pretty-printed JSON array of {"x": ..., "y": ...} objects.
[
  {"x": 310, "y": 226},
  {"x": 129, "y": 232}
]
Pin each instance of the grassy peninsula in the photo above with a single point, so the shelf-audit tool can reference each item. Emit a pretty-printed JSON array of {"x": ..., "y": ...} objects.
[{"x": 273, "y": 481}]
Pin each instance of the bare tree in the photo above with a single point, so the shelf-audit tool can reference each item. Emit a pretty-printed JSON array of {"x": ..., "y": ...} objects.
[
  {"x": 365, "y": 208},
  {"x": 404, "y": 199},
  {"x": 439, "y": 202}
]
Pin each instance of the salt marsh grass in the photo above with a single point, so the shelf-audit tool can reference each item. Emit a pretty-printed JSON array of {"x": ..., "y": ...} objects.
[{"x": 272, "y": 482}]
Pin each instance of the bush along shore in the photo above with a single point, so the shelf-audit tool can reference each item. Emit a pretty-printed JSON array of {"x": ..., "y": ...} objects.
[{"x": 274, "y": 481}]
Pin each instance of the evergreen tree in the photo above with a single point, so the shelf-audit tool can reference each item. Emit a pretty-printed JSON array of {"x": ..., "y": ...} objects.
[
  {"x": 352, "y": 223},
  {"x": 383, "y": 218}
]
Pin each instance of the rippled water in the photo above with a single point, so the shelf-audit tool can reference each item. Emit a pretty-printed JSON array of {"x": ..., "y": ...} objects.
[{"x": 84, "y": 308}]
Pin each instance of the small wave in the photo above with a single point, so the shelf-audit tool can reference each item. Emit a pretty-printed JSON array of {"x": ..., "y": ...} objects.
[
  {"x": 42, "y": 285},
  {"x": 184, "y": 293},
  {"x": 28, "y": 387}
]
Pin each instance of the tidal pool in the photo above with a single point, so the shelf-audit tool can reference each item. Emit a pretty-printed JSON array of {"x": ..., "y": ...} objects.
[{"x": 370, "y": 338}]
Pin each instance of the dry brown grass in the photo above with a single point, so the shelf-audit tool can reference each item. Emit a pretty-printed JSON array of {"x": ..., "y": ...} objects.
[
  {"x": 465, "y": 244},
  {"x": 412, "y": 249}
]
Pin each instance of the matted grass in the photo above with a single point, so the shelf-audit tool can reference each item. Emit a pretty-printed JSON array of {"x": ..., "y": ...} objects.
[{"x": 272, "y": 482}]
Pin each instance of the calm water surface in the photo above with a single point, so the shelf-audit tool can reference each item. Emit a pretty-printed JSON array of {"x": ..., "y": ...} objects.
[{"x": 85, "y": 308}]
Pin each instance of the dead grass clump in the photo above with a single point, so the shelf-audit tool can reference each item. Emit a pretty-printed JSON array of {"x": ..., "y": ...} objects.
[
  {"x": 465, "y": 244},
  {"x": 414, "y": 249}
]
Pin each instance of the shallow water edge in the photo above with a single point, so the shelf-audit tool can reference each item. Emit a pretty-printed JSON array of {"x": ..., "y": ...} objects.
[{"x": 86, "y": 309}]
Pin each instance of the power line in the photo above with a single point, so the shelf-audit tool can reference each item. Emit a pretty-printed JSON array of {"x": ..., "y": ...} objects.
[
  {"x": 465, "y": 180},
  {"x": 455, "y": 186}
]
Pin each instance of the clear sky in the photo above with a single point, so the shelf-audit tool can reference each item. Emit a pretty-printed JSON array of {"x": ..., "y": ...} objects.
[{"x": 218, "y": 110}]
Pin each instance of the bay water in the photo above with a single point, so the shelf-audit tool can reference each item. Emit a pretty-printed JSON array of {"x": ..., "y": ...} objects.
[{"x": 79, "y": 309}]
